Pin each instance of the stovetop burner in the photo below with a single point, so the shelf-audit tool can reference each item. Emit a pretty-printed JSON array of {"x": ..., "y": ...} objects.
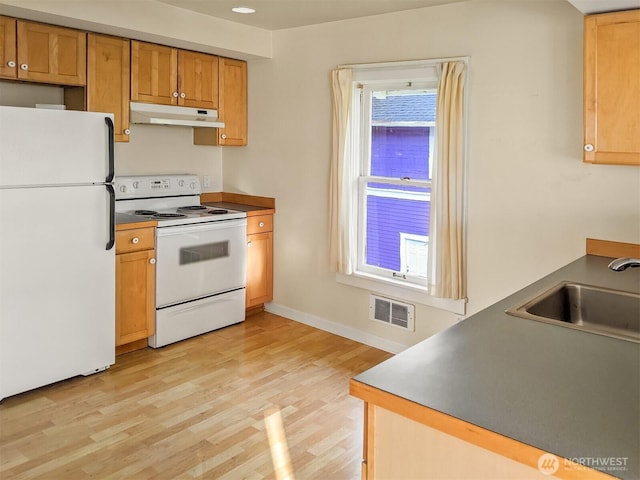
[
  {"x": 217, "y": 211},
  {"x": 168, "y": 215},
  {"x": 192, "y": 208},
  {"x": 154, "y": 214}
]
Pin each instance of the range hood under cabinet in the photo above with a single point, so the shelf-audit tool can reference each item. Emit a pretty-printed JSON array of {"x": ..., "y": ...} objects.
[{"x": 153, "y": 114}]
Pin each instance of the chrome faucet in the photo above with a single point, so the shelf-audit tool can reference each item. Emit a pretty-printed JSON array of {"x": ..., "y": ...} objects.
[{"x": 620, "y": 264}]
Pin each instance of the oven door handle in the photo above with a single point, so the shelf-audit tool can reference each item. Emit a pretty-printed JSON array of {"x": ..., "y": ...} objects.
[{"x": 200, "y": 227}]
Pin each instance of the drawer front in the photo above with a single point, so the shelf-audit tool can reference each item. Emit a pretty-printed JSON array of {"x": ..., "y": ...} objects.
[
  {"x": 259, "y": 223},
  {"x": 135, "y": 239}
]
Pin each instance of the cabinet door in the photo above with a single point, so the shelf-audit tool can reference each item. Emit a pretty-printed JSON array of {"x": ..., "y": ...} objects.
[
  {"x": 51, "y": 54},
  {"x": 233, "y": 102},
  {"x": 259, "y": 269},
  {"x": 154, "y": 73},
  {"x": 612, "y": 88},
  {"x": 197, "y": 79},
  {"x": 108, "y": 80},
  {"x": 8, "y": 59},
  {"x": 135, "y": 296}
]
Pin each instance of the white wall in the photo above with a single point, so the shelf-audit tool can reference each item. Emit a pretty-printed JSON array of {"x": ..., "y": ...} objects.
[
  {"x": 532, "y": 201},
  {"x": 156, "y": 149}
]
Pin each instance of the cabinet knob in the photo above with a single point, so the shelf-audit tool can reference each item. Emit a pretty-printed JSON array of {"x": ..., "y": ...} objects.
[
  {"x": 175, "y": 94},
  {"x": 24, "y": 66},
  {"x": 261, "y": 224},
  {"x": 249, "y": 244},
  {"x": 223, "y": 136},
  {"x": 152, "y": 261},
  {"x": 183, "y": 95},
  {"x": 135, "y": 240},
  {"x": 127, "y": 131},
  {"x": 588, "y": 147},
  {"x": 11, "y": 64}
]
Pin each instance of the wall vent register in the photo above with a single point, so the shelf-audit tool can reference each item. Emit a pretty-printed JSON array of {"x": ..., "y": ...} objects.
[{"x": 392, "y": 312}]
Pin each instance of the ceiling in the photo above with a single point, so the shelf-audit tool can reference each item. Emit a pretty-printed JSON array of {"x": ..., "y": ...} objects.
[{"x": 280, "y": 14}]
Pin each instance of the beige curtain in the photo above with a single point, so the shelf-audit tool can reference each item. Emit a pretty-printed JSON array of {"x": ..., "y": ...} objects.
[
  {"x": 447, "y": 243},
  {"x": 341, "y": 234}
]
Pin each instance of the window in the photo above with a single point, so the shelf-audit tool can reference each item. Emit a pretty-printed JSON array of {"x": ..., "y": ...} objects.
[
  {"x": 397, "y": 180},
  {"x": 396, "y": 130}
]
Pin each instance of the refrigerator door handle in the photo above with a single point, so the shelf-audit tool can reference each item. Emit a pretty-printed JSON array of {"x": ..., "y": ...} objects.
[
  {"x": 111, "y": 130},
  {"x": 112, "y": 217}
]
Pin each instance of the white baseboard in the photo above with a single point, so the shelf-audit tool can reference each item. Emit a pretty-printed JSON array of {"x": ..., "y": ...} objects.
[{"x": 336, "y": 328}]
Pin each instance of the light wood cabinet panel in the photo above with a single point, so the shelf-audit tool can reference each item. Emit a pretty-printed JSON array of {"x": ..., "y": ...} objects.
[
  {"x": 233, "y": 102},
  {"x": 170, "y": 76},
  {"x": 259, "y": 263},
  {"x": 197, "y": 80},
  {"x": 8, "y": 58},
  {"x": 50, "y": 54},
  {"x": 232, "y": 109},
  {"x": 135, "y": 239},
  {"x": 108, "y": 63},
  {"x": 154, "y": 73},
  {"x": 135, "y": 288},
  {"x": 612, "y": 88}
]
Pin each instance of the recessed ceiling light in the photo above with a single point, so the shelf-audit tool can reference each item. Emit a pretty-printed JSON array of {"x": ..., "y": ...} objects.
[{"x": 243, "y": 10}]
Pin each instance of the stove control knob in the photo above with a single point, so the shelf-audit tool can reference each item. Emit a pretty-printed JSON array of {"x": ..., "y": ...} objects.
[
  {"x": 123, "y": 188},
  {"x": 136, "y": 184},
  {"x": 192, "y": 185},
  {"x": 181, "y": 183}
]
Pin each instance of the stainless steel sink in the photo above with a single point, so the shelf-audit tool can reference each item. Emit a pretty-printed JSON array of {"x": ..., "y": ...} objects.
[{"x": 598, "y": 310}]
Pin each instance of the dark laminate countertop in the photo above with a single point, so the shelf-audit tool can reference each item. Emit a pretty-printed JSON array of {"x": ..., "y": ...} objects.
[
  {"x": 249, "y": 209},
  {"x": 568, "y": 392},
  {"x": 125, "y": 221}
]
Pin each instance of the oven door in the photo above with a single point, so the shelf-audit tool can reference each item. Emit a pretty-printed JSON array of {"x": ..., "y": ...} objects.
[{"x": 195, "y": 261}]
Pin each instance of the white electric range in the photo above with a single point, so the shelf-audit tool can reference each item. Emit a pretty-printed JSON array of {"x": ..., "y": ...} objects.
[{"x": 200, "y": 255}]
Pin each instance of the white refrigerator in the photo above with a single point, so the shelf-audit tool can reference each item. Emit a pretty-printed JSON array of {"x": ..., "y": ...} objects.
[{"x": 57, "y": 256}]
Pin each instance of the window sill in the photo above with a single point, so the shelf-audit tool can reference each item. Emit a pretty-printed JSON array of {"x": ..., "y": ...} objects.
[{"x": 401, "y": 291}]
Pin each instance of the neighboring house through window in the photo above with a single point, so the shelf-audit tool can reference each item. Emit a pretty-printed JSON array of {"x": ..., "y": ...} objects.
[{"x": 387, "y": 179}]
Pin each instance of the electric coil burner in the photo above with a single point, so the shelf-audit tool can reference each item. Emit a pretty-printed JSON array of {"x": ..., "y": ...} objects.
[{"x": 200, "y": 250}]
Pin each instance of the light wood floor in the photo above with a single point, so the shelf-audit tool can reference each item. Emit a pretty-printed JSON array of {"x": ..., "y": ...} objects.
[{"x": 196, "y": 409}]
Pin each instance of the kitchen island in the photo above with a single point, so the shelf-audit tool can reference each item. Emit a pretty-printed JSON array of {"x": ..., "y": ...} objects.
[{"x": 514, "y": 387}]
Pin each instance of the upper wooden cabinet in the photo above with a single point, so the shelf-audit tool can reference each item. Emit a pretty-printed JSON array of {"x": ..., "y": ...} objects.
[
  {"x": 232, "y": 109},
  {"x": 154, "y": 73},
  {"x": 8, "y": 57},
  {"x": 612, "y": 88},
  {"x": 170, "y": 76},
  {"x": 197, "y": 79},
  {"x": 233, "y": 102},
  {"x": 49, "y": 54},
  {"x": 108, "y": 80}
]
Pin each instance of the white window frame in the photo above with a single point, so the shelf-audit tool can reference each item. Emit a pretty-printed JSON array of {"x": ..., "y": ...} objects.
[{"x": 422, "y": 74}]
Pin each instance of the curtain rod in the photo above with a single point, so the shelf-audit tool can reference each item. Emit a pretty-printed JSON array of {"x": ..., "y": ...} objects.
[{"x": 405, "y": 63}]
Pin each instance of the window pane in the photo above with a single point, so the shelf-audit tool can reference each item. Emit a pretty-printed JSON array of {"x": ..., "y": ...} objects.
[
  {"x": 397, "y": 227},
  {"x": 402, "y": 133}
]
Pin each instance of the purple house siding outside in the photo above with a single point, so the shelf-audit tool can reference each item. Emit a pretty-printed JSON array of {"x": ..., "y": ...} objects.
[
  {"x": 387, "y": 218},
  {"x": 398, "y": 152}
]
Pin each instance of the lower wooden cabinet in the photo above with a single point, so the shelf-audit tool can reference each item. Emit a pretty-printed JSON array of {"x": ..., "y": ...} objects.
[
  {"x": 259, "y": 260},
  {"x": 135, "y": 288}
]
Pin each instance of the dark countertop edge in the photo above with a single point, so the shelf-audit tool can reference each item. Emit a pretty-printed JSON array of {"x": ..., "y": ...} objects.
[
  {"x": 251, "y": 210},
  {"x": 556, "y": 363},
  {"x": 126, "y": 221}
]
